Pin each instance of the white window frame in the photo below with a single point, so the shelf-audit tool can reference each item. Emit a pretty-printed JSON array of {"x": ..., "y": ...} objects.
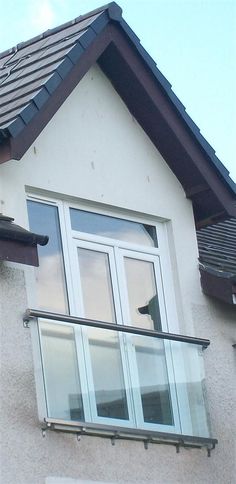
[{"x": 70, "y": 240}]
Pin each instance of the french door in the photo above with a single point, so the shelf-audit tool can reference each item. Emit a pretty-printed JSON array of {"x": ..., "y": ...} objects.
[{"x": 127, "y": 379}]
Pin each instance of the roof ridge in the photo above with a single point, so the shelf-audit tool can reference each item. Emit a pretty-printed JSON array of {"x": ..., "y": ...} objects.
[{"x": 114, "y": 12}]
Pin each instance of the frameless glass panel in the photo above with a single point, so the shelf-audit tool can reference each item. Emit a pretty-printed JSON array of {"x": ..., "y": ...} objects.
[
  {"x": 190, "y": 384},
  {"x": 50, "y": 275},
  {"x": 115, "y": 228},
  {"x": 61, "y": 372},
  {"x": 168, "y": 387},
  {"x": 142, "y": 294},
  {"x": 153, "y": 380},
  {"x": 107, "y": 370},
  {"x": 96, "y": 285}
]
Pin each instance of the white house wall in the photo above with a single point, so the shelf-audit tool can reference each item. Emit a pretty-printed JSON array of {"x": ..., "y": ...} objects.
[{"x": 94, "y": 150}]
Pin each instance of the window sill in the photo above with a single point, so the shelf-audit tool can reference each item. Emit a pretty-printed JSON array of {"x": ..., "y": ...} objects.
[{"x": 115, "y": 433}]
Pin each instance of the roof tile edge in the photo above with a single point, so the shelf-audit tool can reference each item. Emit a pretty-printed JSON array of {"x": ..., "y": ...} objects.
[{"x": 114, "y": 12}]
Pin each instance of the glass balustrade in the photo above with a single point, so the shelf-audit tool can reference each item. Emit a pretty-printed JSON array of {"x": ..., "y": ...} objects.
[{"x": 108, "y": 374}]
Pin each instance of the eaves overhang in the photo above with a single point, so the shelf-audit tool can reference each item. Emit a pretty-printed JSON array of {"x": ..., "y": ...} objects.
[
  {"x": 18, "y": 244},
  {"x": 57, "y": 66},
  {"x": 217, "y": 257},
  {"x": 218, "y": 284}
]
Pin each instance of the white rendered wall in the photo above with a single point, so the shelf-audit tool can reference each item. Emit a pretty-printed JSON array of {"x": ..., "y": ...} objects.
[{"x": 94, "y": 150}]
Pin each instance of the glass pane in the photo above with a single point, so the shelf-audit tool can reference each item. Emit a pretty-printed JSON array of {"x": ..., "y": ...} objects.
[
  {"x": 116, "y": 228},
  {"x": 153, "y": 380},
  {"x": 169, "y": 383},
  {"x": 190, "y": 385},
  {"x": 61, "y": 372},
  {"x": 142, "y": 294},
  {"x": 96, "y": 285},
  {"x": 107, "y": 372},
  {"x": 50, "y": 275}
]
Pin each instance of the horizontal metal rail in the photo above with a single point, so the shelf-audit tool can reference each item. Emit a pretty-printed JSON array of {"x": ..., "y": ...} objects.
[
  {"x": 65, "y": 318},
  {"x": 112, "y": 432}
]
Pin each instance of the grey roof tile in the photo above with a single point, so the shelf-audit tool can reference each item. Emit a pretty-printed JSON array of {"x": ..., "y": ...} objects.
[
  {"x": 6, "y": 118},
  {"x": 18, "y": 89},
  {"x": 40, "y": 63},
  {"x": 16, "y": 103},
  {"x": 217, "y": 246}
]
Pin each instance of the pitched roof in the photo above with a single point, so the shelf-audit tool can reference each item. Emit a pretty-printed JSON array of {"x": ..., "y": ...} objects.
[
  {"x": 37, "y": 76},
  {"x": 217, "y": 256}
]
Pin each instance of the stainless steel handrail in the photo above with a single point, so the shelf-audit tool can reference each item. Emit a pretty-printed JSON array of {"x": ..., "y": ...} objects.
[{"x": 35, "y": 313}]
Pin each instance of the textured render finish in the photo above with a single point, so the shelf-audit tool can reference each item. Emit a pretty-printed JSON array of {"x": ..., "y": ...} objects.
[
  {"x": 102, "y": 164},
  {"x": 219, "y": 320},
  {"x": 27, "y": 457}
]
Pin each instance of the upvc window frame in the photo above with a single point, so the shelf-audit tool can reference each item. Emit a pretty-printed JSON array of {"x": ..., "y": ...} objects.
[{"x": 70, "y": 238}]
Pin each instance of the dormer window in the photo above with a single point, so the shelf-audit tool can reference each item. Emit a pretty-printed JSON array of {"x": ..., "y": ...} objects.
[{"x": 107, "y": 280}]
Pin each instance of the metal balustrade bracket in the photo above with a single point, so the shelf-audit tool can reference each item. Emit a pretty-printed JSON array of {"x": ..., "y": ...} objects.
[
  {"x": 25, "y": 323},
  {"x": 145, "y": 436},
  {"x": 209, "y": 449},
  {"x": 146, "y": 444},
  {"x": 27, "y": 317},
  {"x": 114, "y": 437}
]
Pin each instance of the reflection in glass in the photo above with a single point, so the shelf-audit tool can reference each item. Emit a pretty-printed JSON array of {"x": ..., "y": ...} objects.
[
  {"x": 142, "y": 294},
  {"x": 190, "y": 384},
  {"x": 108, "y": 379},
  {"x": 96, "y": 285},
  {"x": 61, "y": 372},
  {"x": 50, "y": 275},
  {"x": 153, "y": 380},
  {"x": 115, "y": 228},
  {"x": 169, "y": 382}
]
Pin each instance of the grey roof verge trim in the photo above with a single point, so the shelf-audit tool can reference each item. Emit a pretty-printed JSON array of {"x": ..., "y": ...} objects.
[{"x": 179, "y": 106}]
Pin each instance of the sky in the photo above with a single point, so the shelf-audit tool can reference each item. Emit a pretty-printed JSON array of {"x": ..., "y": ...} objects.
[{"x": 193, "y": 43}]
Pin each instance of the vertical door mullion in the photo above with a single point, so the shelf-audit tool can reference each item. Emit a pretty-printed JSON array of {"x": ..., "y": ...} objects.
[
  {"x": 130, "y": 353},
  {"x": 125, "y": 339},
  {"x": 167, "y": 345},
  {"x": 80, "y": 310}
]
